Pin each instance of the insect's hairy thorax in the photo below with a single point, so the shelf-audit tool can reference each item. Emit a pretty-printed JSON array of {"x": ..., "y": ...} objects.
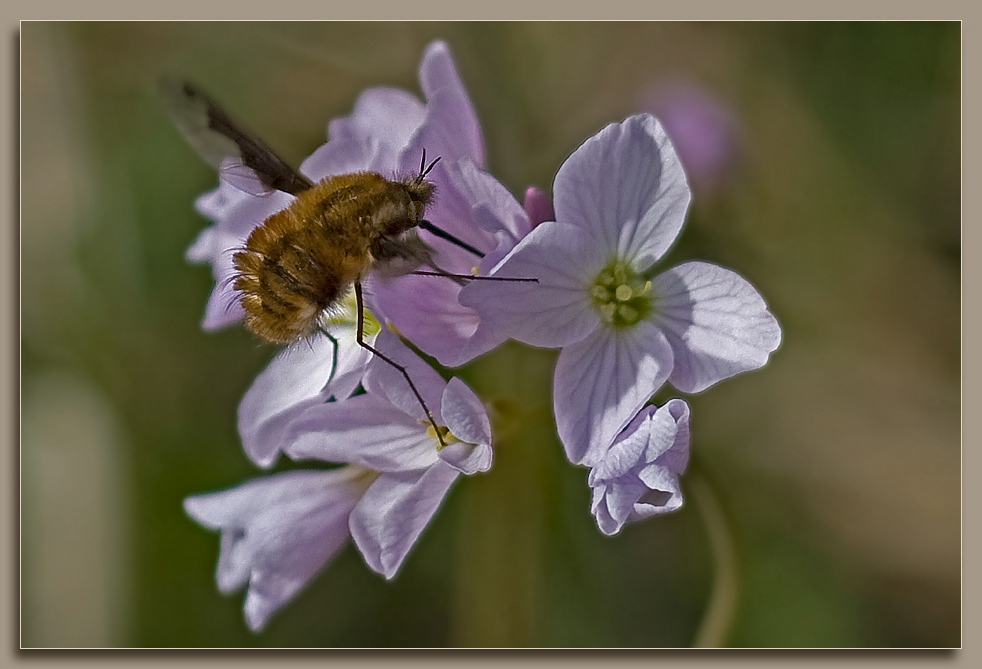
[{"x": 304, "y": 259}]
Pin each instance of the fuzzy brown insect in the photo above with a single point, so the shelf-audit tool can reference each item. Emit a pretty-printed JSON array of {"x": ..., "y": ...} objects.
[{"x": 303, "y": 260}]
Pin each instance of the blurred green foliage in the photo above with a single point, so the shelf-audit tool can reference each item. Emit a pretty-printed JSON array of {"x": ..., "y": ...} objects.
[{"x": 837, "y": 466}]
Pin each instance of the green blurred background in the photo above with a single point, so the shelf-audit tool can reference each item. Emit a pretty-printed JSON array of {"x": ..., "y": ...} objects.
[{"x": 836, "y": 468}]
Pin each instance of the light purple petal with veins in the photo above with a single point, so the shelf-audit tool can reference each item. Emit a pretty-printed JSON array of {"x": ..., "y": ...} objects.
[
  {"x": 363, "y": 430},
  {"x": 468, "y": 421},
  {"x": 451, "y": 129},
  {"x": 387, "y": 382},
  {"x": 278, "y": 532},
  {"x": 293, "y": 381},
  {"x": 432, "y": 318},
  {"x": 557, "y": 310},
  {"x": 394, "y": 511},
  {"x": 389, "y": 115},
  {"x": 638, "y": 477},
  {"x": 602, "y": 382},
  {"x": 717, "y": 323},
  {"x": 348, "y": 155},
  {"x": 625, "y": 186}
]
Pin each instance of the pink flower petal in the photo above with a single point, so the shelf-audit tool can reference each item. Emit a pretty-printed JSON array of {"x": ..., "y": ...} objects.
[
  {"x": 538, "y": 206},
  {"x": 602, "y": 382},
  {"x": 717, "y": 323},
  {"x": 625, "y": 187}
]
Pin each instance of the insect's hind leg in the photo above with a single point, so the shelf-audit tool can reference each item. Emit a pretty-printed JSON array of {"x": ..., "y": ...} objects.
[
  {"x": 334, "y": 357},
  {"x": 361, "y": 342}
]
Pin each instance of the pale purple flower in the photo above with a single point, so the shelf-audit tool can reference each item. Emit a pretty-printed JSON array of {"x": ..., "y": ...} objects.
[
  {"x": 387, "y": 133},
  {"x": 703, "y": 130},
  {"x": 620, "y": 201},
  {"x": 639, "y": 476},
  {"x": 278, "y": 532},
  {"x": 385, "y": 430}
]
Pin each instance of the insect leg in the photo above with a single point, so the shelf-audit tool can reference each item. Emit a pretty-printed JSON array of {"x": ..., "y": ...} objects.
[
  {"x": 361, "y": 342},
  {"x": 334, "y": 361}
]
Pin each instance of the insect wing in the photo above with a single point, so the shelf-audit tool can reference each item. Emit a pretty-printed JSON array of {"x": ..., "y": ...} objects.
[
  {"x": 243, "y": 178},
  {"x": 213, "y": 134}
]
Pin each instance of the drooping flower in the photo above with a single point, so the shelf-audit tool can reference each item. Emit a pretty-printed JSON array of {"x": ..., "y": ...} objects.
[
  {"x": 278, "y": 532},
  {"x": 639, "y": 475},
  {"x": 620, "y": 201},
  {"x": 386, "y": 430},
  {"x": 388, "y": 132}
]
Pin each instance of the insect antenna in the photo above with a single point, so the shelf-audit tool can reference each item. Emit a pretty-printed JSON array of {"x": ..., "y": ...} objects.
[
  {"x": 359, "y": 337},
  {"x": 423, "y": 171}
]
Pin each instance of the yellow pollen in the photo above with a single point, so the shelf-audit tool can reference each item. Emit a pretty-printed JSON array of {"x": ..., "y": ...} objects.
[
  {"x": 623, "y": 292},
  {"x": 448, "y": 437}
]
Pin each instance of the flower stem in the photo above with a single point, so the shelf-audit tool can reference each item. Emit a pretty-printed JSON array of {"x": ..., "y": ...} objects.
[
  {"x": 499, "y": 590},
  {"x": 716, "y": 622}
]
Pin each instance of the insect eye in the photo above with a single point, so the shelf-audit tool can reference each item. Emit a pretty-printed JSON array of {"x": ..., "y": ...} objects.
[{"x": 416, "y": 209}]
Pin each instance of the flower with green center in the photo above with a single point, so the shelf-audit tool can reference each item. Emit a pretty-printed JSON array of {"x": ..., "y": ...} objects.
[{"x": 620, "y": 201}]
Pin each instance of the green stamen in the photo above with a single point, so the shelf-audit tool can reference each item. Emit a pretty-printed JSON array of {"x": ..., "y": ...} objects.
[{"x": 621, "y": 295}]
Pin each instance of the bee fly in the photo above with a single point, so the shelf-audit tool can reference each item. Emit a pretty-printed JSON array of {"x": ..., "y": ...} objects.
[{"x": 303, "y": 260}]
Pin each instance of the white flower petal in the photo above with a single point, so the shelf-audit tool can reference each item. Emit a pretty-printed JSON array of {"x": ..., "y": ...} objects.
[
  {"x": 602, "y": 382},
  {"x": 625, "y": 186},
  {"x": 717, "y": 323},
  {"x": 393, "y": 512},
  {"x": 557, "y": 310}
]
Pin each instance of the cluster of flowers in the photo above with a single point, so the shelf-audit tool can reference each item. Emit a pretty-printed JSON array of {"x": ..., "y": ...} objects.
[{"x": 618, "y": 204}]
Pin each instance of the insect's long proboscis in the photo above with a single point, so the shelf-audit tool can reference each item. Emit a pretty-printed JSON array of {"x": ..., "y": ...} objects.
[{"x": 471, "y": 277}]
